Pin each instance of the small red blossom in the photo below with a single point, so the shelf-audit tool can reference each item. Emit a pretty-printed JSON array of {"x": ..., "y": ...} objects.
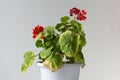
[
  {"x": 37, "y": 30},
  {"x": 83, "y": 12},
  {"x": 81, "y": 15},
  {"x": 74, "y": 11}
]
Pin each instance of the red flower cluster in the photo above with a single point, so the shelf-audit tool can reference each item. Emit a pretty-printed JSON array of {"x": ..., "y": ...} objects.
[
  {"x": 37, "y": 30},
  {"x": 74, "y": 11},
  {"x": 79, "y": 14}
]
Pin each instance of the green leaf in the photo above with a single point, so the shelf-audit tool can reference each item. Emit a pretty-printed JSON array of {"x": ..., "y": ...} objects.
[
  {"x": 73, "y": 22},
  {"x": 54, "y": 61},
  {"x": 59, "y": 26},
  {"x": 51, "y": 42},
  {"x": 47, "y": 43},
  {"x": 69, "y": 43},
  {"x": 49, "y": 30},
  {"x": 38, "y": 43},
  {"x": 28, "y": 60},
  {"x": 80, "y": 58},
  {"x": 28, "y": 54},
  {"x": 65, "y": 19},
  {"x": 82, "y": 39},
  {"x": 45, "y": 53},
  {"x": 56, "y": 44},
  {"x": 76, "y": 27},
  {"x": 79, "y": 27}
]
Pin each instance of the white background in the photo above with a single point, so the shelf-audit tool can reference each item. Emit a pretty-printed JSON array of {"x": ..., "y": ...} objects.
[{"x": 102, "y": 28}]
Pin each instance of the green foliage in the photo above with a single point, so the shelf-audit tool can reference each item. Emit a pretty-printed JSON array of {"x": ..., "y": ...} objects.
[
  {"x": 67, "y": 41},
  {"x": 45, "y": 53},
  {"x": 65, "y": 19},
  {"x": 76, "y": 27},
  {"x": 54, "y": 61},
  {"x": 79, "y": 58},
  {"x": 49, "y": 30},
  {"x": 82, "y": 39},
  {"x": 28, "y": 60},
  {"x": 59, "y": 26},
  {"x": 38, "y": 43}
]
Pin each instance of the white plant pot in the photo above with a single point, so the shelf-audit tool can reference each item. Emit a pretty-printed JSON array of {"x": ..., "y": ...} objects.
[{"x": 67, "y": 72}]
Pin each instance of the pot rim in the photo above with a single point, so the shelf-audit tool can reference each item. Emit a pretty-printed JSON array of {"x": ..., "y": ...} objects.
[{"x": 65, "y": 63}]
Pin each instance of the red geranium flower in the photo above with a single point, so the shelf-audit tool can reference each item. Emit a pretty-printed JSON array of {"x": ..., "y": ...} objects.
[
  {"x": 74, "y": 11},
  {"x": 37, "y": 30},
  {"x": 81, "y": 15}
]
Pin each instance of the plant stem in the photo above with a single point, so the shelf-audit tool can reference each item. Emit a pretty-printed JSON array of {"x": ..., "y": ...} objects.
[{"x": 36, "y": 55}]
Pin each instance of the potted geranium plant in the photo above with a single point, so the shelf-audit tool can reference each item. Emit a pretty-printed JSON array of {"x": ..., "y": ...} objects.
[{"x": 65, "y": 40}]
